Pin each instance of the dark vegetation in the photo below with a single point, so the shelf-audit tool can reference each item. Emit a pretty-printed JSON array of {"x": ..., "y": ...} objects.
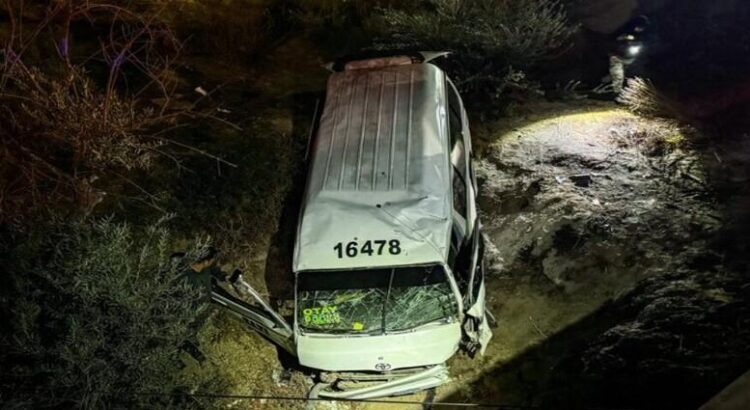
[
  {"x": 69, "y": 128},
  {"x": 94, "y": 311},
  {"x": 115, "y": 114},
  {"x": 95, "y": 314},
  {"x": 503, "y": 40}
]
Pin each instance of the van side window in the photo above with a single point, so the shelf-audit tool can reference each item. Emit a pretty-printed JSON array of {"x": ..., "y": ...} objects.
[
  {"x": 455, "y": 125},
  {"x": 458, "y": 157},
  {"x": 459, "y": 193},
  {"x": 458, "y": 152},
  {"x": 454, "y": 114},
  {"x": 479, "y": 273},
  {"x": 478, "y": 278}
]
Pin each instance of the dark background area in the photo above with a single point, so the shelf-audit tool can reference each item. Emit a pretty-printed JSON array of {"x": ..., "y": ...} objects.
[{"x": 697, "y": 51}]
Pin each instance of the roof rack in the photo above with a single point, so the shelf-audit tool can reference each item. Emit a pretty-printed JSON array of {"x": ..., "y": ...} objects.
[{"x": 379, "y": 59}]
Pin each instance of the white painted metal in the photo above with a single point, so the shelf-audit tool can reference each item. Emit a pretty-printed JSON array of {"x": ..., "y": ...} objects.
[
  {"x": 379, "y": 170},
  {"x": 429, "y": 345},
  {"x": 262, "y": 319}
]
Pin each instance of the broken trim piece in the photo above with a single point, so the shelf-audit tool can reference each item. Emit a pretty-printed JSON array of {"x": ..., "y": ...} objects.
[{"x": 431, "y": 377}]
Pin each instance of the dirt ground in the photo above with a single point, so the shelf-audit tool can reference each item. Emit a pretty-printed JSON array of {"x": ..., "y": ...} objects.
[{"x": 582, "y": 202}]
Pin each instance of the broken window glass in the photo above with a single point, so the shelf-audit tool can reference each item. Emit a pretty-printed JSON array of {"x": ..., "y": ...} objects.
[
  {"x": 414, "y": 306},
  {"x": 374, "y": 301}
]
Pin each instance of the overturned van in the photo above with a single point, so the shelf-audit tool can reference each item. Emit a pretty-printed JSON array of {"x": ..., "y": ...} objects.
[{"x": 388, "y": 257}]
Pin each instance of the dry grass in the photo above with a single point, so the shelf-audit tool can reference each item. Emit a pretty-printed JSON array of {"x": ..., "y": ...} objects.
[
  {"x": 670, "y": 126},
  {"x": 236, "y": 30},
  {"x": 643, "y": 98},
  {"x": 62, "y": 135},
  {"x": 523, "y": 30},
  {"x": 74, "y": 126},
  {"x": 658, "y": 137},
  {"x": 321, "y": 13}
]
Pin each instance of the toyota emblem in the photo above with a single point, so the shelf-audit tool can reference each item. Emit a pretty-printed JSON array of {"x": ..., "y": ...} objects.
[{"x": 383, "y": 367}]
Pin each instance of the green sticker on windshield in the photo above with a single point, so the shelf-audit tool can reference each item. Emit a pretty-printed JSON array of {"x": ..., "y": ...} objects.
[{"x": 325, "y": 315}]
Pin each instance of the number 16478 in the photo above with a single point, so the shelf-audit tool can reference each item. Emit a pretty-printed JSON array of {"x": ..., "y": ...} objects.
[{"x": 369, "y": 248}]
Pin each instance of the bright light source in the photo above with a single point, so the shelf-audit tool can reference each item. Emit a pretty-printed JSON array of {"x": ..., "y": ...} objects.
[{"x": 634, "y": 50}]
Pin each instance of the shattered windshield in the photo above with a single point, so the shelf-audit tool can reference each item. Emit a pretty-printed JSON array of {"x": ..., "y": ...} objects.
[{"x": 374, "y": 301}]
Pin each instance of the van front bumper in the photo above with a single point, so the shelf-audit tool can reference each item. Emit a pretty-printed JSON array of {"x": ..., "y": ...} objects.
[
  {"x": 423, "y": 347},
  {"x": 373, "y": 385}
]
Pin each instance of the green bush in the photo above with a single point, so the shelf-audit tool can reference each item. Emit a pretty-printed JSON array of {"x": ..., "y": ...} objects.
[
  {"x": 94, "y": 317},
  {"x": 488, "y": 38}
]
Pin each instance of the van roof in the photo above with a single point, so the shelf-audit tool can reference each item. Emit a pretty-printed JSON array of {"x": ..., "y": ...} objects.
[{"x": 380, "y": 171}]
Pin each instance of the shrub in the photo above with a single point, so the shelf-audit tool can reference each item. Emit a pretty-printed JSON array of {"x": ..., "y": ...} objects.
[
  {"x": 95, "y": 314},
  {"x": 336, "y": 13},
  {"x": 71, "y": 131},
  {"x": 642, "y": 97},
  {"x": 235, "y": 30},
  {"x": 62, "y": 136},
  {"x": 487, "y": 37}
]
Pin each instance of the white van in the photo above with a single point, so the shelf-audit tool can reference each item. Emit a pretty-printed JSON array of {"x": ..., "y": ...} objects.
[{"x": 388, "y": 258}]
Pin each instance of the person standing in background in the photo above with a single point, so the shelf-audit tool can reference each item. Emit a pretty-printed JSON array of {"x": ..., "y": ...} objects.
[{"x": 628, "y": 45}]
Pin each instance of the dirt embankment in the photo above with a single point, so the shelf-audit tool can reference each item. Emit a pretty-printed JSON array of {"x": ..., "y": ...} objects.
[
  {"x": 609, "y": 280},
  {"x": 594, "y": 196}
]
